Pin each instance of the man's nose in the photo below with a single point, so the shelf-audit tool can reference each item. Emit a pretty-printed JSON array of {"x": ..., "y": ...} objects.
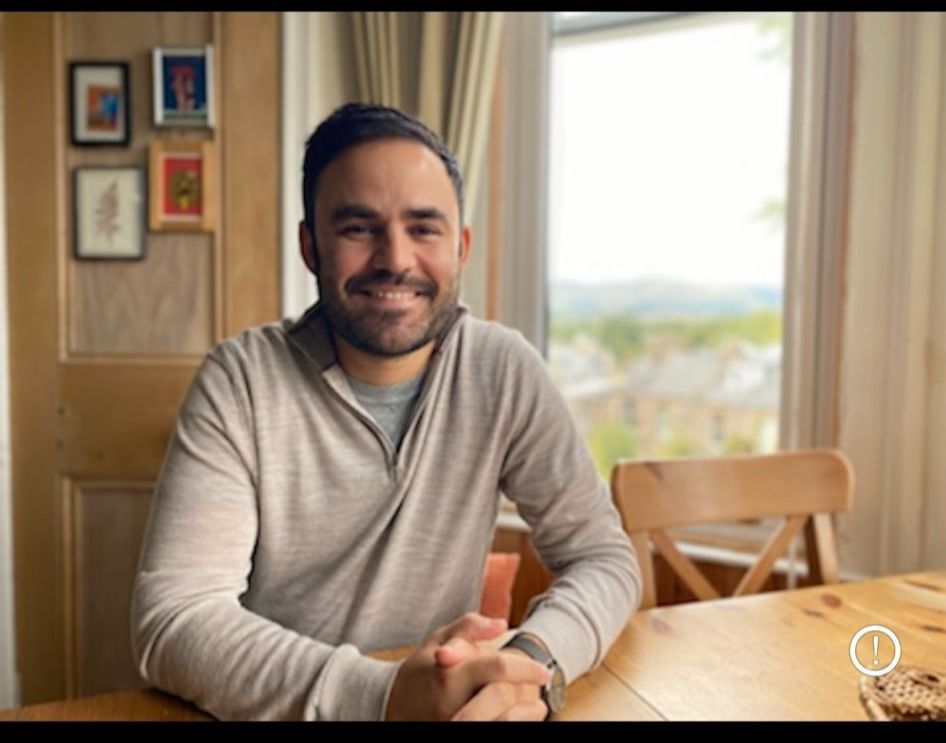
[{"x": 394, "y": 251}]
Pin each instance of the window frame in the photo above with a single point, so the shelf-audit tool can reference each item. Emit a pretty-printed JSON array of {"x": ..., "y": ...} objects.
[{"x": 816, "y": 203}]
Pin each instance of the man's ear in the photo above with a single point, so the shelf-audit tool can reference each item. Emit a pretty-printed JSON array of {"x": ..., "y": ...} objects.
[
  {"x": 307, "y": 249},
  {"x": 466, "y": 245}
]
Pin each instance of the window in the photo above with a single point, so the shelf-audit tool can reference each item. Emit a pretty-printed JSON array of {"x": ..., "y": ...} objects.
[
  {"x": 815, "y": 152},
  {"x": 719, "y": 431},
  {"x": 668, "y": 153}
]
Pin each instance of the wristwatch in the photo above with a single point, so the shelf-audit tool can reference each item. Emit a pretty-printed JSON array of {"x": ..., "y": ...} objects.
[{"x": 553, "y": 693}]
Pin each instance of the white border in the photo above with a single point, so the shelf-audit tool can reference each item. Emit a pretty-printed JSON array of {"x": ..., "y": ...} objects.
[
  {"x": 157, "y": 99},
  {"x": 85, "y": 75},
  {"x": 132, "y": 214},
  {"x": 298, "y": 285},
  {"x": 318, "y": 76},
  {"x": 9, "y": 691}
]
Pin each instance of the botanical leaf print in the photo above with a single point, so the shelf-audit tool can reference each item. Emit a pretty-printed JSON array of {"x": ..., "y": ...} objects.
[{"x": 106, "y": 213}]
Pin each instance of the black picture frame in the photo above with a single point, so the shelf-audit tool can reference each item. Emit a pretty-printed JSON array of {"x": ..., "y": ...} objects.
[{"x": 99, "y": 103}]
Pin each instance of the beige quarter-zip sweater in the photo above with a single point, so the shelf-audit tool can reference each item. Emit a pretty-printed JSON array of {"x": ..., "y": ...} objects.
[{"x": 287, "y": 537}]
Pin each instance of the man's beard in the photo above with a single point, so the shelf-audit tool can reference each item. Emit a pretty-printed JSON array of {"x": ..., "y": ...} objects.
[{"x": 381, "y": 332}]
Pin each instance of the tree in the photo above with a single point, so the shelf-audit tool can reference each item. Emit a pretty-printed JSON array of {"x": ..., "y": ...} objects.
[
  {"x": 679, "y": 445},
  {"x": 610, "y": 441},
  {"x": 776, "y": 29},
  {"x": 622, "y": 335},
  {"x": 739, "y": 443}
]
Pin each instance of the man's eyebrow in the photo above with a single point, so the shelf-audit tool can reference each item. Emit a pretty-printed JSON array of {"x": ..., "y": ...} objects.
[
  {"x": 353, "y": 211},
  {"x": 427, "y": 212}
]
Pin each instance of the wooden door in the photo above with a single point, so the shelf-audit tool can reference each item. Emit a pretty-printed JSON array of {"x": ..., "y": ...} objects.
[{"x": 102, "y": 351}]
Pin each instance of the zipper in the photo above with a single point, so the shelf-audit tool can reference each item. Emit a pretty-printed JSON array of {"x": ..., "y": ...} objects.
[
  {"x": 432, "y": 366},
  {"x": 391, "y": 456}
]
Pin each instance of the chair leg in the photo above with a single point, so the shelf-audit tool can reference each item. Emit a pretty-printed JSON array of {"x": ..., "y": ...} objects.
[
  {"x": 821, "y": 550},
  {"x": 645, "y": 560}
]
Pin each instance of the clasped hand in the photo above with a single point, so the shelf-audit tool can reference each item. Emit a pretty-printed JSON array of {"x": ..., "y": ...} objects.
[{"x": 451, "y": 677}]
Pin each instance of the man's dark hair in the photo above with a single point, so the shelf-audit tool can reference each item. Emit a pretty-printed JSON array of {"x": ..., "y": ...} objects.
[{"x": 356, "y": 123}]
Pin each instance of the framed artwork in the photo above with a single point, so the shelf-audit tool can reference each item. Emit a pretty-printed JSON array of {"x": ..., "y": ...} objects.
[
  {"x": 98, "y": 93},
  {"x": 183, "y": 86},
  {"x": 182, "y": 174},
  {"x": 109, "y": 217}
]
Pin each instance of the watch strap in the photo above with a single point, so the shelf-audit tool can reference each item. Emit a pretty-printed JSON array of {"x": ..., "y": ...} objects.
[
  {"x": 540, "y": 655},
  {"x": 532, "y": 649}
]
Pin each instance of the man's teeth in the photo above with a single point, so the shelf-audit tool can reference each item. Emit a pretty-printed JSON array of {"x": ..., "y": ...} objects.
[{"x": 394, "y": 295}]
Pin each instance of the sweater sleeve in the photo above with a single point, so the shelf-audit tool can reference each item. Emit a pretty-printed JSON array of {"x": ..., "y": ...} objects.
[
  {"x": 550, "y": 475},
  {"x": 190, "y": 634}
]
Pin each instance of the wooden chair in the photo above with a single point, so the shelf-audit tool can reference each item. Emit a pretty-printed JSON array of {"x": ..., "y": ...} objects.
[{"x": 805, "y": 487}]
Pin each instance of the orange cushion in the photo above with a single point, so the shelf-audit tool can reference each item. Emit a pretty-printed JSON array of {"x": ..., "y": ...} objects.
[{"x": 498, "y": 580}]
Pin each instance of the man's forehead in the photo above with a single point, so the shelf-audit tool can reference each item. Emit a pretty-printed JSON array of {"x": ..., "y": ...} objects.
[
  {"x": 376, "y": 164},
  {"x": 374, "y": 154}
]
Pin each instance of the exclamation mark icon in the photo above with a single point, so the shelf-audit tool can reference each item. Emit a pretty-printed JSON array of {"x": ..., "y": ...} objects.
[{"x": 874, "y": 631}]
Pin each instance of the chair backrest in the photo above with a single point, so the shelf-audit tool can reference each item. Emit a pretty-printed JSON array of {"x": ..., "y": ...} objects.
[{"x": 652, "y": 496}]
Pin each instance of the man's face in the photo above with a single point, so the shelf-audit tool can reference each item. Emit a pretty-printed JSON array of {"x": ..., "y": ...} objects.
[{"x": 389, "y": 246}]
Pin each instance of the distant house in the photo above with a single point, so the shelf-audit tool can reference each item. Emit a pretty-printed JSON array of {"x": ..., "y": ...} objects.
[{"x": 676, "y": 401}]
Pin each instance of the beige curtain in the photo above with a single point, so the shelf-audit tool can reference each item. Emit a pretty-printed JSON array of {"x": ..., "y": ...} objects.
[
  {"x": 440, "y": 67},
  {"x": 893, "y": 372}
]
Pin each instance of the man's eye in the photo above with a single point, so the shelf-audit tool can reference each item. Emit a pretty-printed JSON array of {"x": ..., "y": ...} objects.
[
  {"x": 426, "y": 229},
  {"x": 356, "y": 230}
]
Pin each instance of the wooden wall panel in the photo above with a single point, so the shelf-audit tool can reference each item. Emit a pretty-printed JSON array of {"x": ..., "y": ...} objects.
[
  {"x": 249, "y": 101},
  {"x": 159, "y": 305},
  {"x": 107, "y": 528},
  {"x": 96, "y": 34},
  {"x": 102, "y": 352},
  {"x": 130, "y": 37},
  {"x": 115, "y": 421},
  {"x": 32, "y": 115},
  {"x": 162, "y": 304}
]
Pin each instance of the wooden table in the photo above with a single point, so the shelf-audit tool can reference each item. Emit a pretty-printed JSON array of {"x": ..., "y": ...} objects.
[
  {"x": 146, "y": 704},
  {"x": 774, "y": 656},
  {"x": 777, "y": 656}
]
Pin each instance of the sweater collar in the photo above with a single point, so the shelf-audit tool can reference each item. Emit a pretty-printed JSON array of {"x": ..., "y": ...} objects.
[{"x": 311, "y": 333}]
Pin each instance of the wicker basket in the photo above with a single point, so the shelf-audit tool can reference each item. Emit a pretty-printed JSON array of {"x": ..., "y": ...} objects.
[{"x": 906, "y": 693}]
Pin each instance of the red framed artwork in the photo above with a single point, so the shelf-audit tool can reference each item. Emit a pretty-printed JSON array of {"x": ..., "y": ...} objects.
[{"x": 182, "y": 194}]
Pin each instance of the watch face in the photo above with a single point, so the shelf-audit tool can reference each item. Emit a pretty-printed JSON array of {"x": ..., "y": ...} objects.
[{"x": 555, "y": 691}]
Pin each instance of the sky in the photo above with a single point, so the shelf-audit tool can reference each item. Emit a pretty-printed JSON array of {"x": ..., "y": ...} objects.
[{"x": 662, "y": 146}]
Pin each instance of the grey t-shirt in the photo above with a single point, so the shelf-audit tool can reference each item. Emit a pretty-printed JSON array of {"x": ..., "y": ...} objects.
[{"x": 389, "y": 406}]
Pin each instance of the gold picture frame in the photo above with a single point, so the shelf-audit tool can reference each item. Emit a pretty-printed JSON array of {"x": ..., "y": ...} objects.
[{"x": 182, "y": 176}]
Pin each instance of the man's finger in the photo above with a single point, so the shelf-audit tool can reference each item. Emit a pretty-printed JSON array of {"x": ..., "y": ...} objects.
[
  {"x": 494, "y": 666},
  {"x": 534, "y": 711},
  {"x": 503, "y": 701},
  {"x": 453, "y": 651},
  {"x": 473, "y": 627}
]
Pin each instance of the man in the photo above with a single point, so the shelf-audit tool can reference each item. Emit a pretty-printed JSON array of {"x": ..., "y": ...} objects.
[{"x": 332, "y": 484}]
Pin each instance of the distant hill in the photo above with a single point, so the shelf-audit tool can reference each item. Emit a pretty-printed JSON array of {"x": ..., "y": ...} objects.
[{"x": 659, "y": 299}]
